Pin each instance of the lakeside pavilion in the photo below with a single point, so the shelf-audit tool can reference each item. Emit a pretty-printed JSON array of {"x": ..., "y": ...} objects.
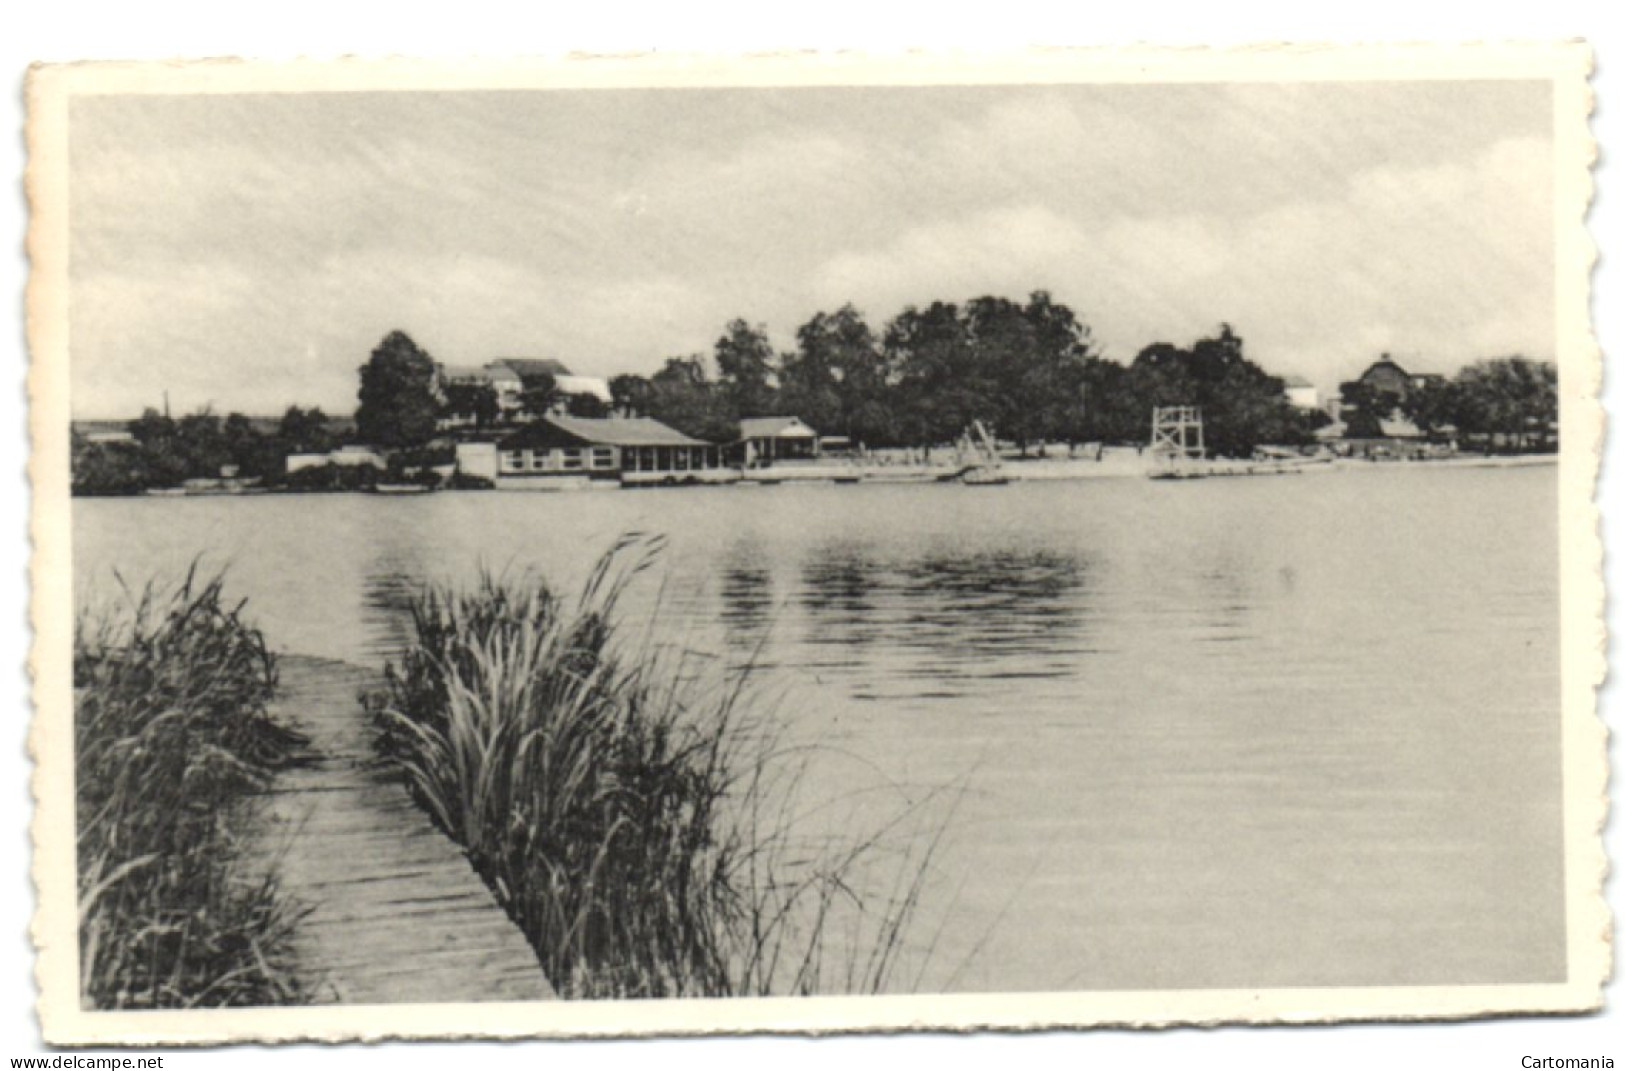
[
  {"x": 594, "y": 447},
  {"x": 764, "y": 440}
]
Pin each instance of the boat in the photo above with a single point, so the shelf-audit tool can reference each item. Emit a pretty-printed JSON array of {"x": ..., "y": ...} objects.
[
  {"x": 401, "y": 489},
  {"x": 985, "y": 476},
  {"x": 980, "y": 464}
]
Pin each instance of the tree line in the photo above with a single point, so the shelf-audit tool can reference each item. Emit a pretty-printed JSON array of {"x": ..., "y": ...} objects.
[
  {"x": 1029, "y": 371},
  {"x": 166, "y": 452},
  {"x": 1508, "y": 403}
]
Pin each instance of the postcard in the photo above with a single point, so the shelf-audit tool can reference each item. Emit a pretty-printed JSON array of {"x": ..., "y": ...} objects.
[{"x": 814, "y": 543}]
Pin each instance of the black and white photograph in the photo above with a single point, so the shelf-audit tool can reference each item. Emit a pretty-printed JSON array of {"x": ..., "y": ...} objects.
[{"x": 645, "y": 547}]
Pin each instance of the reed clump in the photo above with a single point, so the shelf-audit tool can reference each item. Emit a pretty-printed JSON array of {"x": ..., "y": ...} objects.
[
  {"x": 172, "y": 741},
  {"x": 638, "y": 824}
]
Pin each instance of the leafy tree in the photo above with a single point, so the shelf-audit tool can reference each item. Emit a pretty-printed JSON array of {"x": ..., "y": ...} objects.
[
  {"x": 254, "y": 454},
  {"x": 942, "y": 386},
  {"x": 1111, "y": 409},
  {"x": 809, "y": 379},
  {"x": 683, "y": 396},
  {"x": 151, "y": 427},
  {"x": 1510, "y": 400},
  {"x": 1034, "y": 356},
  {"x": 398, "y": 405},
  {"x": 1364, "y": 409},
  {"x": 837, "y": 379},
  {"x": 589, "y": 406},
  {"x": 305, "y": 431},
  {"x": 745, "y": 363},
  {"x": 473, "y": 401},
  {"x": 1243, "y": 406},
  {"x": 629, "y": 394},
  {"x": 109, "y": 468},
  {"x": 539, "y": 395},
  {"x": 1433, "y": 405},
  {"x": 202, "y": 445},
  {"x": 1001, "y": 352}
]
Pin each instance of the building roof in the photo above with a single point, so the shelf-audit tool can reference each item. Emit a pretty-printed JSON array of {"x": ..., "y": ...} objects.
[
  {"x": 1386, "y": 364},
  {"x": 610, "y": 431},
  {"x": 529, "y": 367},
  {"x": 1330, "y": 432},
  {"x": 464, "y": 373},
  {"x": 1398, "y": 427},
  {"x": 598, "y": 388},
  {"x": 1296, "y": 383},
  {"x": 776, "y": 427}
]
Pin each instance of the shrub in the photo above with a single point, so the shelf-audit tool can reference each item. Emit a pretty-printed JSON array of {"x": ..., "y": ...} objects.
[
  {"x": 331, "y": 477},
  {"x": 630, "y": 817},
  {"x": 172, "y": 739},
  {"x": 466, "y": 481}
]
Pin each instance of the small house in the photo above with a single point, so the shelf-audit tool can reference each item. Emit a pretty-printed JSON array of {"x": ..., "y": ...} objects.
[
  {"x": 510, "y": 377},
  {"x": 607, "y": 448},
  {"x": 344, "y": 457},
  {"x": 765, "y": 440},
  {"x": 1300, "y": 393}
]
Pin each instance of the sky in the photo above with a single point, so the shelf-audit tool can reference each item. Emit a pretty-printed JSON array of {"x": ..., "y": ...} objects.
[{"x": 246, "y": 252}]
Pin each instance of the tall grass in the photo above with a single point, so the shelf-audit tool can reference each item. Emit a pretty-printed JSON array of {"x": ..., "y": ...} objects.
[
  {"x": 641, "y": 827},
  {"x": 172, "y": 739}
]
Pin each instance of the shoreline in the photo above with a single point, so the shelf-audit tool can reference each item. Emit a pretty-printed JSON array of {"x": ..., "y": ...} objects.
[{"x": 1036, "y": 470}]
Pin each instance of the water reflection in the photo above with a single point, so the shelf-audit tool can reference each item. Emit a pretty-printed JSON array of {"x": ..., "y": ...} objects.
[
  {"x": 394, "y": 576},
  {"x": 745, "y": 586},
  {"x": 1219, "y": 738},
  {"x": 948, "y": 618}
]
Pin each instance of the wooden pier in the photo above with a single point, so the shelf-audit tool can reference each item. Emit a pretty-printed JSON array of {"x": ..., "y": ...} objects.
[{"x": 397, "y": 914}]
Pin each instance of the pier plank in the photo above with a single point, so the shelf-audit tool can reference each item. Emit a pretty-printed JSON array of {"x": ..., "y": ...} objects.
[{"x": 395, "y": 911}]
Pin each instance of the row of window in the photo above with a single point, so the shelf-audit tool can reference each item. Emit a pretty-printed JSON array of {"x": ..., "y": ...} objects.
[{"x": 572, "y": 458}]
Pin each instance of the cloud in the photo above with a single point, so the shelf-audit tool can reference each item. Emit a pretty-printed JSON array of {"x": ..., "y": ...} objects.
[
  {"x": 252, "y": 251},
  {"x": 1443, "y": 263}
]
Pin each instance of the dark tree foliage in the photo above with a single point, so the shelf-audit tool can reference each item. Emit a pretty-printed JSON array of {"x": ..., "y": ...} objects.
[
  {"x": 471, "y": 401},
  {"x": 1365, "y": 407},
  {"x": 1508, "y": 403},
  {"x": 398, "y": 405},
  {"x": 1434, "y": 406},
  {"x": 163, "y": 458},
  {"x": 942, "y": 387},
  {"x": 305, "y": 431},
  {"x": 1111, "y": 411},
  {"x": 682, "y": 395},
  {"x": 1038, "y": 355},
  {"x": 152, "y": 427},
  {"x": 1511, "y": 402},
  {"x": 745, "y": 368},
  {"x": 629, "y": 394},
  {"x": 585, "y": 405},
  {"x": 838, "y": 380},
  {"x": 332, "y": 477},
  {"x": 1243, "y": 407},
  {"x": 1022, "y": 370},
  {"x": 167, "y": 453},
  {"x": 539, "y": 395},
  {"x": 109, "y": 468}
]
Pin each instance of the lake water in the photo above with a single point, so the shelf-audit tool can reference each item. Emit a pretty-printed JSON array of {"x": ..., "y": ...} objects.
[{"x": 1239, "y": 733}]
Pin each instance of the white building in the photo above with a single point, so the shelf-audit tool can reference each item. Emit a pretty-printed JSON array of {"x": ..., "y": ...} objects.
[
  {"x": 509, "y": 377},
  {"x": 1300, "y": 393}
]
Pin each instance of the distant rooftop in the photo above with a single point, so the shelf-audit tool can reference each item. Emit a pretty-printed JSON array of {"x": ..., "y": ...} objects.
[
  {"x": 526, "y": 367},
  {"x": 774, "y": 427},
  {"x": 609, "y": 431}
]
